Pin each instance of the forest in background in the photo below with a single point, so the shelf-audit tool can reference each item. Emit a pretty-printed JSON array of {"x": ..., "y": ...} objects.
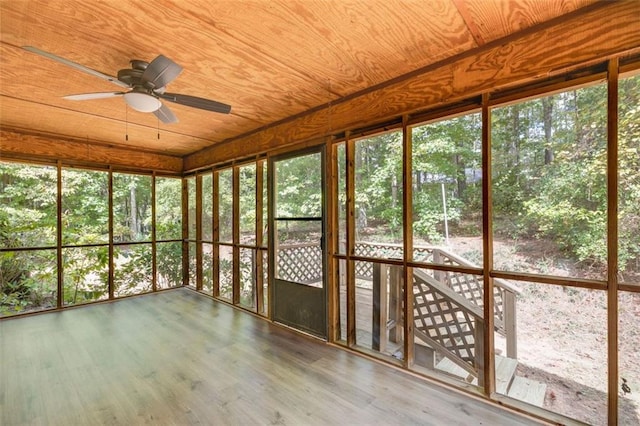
[{"x": 28, "y": 219}]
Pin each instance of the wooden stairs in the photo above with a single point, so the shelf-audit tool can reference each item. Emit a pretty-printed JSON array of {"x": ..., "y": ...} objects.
[
  {"x": 448, "y": 326},
  {"x": 507, "y": 382}
]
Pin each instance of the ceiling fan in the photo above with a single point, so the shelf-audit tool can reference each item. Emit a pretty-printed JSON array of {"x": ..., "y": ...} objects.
[{"x": 146, "y": 82}]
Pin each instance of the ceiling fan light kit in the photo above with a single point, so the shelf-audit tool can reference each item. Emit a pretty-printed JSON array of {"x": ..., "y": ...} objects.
[
  {"x": 142, "y": 102},
  {"x": 147, "y": 82}
]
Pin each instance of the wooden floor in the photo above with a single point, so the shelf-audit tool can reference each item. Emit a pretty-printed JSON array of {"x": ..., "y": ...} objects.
[{"x": 178, "y": 357}]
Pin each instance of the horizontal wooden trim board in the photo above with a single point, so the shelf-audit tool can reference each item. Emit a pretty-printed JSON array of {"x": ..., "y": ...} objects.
[
  {"x": 178, "y": 357},
  {"x": 601, "y": 33},
  {"x": 42, "y": 147}
]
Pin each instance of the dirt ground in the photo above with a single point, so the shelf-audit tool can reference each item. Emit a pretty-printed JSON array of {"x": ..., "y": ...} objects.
[
  {"x": 562, "y": 342},
  {"x": 562, "y": 338}
]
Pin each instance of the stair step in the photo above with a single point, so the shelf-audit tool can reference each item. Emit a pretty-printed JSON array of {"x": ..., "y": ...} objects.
[
  {"x": 527, "y": 390},
  {"x": 505, "y": 372},
  {"x": 450, "y": 367}
]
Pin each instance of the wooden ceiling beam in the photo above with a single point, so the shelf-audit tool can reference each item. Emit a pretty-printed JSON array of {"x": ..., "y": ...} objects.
[
  {"x": 609, "y": 30},
  {"x": 35, "y": 147},
  {"x": 469, "y": 22}
]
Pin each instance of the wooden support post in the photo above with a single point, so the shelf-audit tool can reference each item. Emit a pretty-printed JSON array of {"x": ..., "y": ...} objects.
[
  {"x": 154, "y": 249},
  {"x": 185, "y": 232},
  {"x": 479, "y": 342},
  {"x": 330, "y": 240},
  {"x": 59, "y": 258},
  {"x": 510, "y": 323},
  {"x": 351, "y": 229},
  {"x": 198, "y": 232},
  {"x": 407, "y": 233},
  {"x": 236, "y": 235},
  {"x": 259, "y": 281},
  {"x": 488, "y": 374},
  {"x": 111, "y": 281},
  {"x": 342, "y": 280},
  {"x": 380, "y": 304},
  {"x": 272, "y": 246},
  {"x": 216, "y": 234},
  {"x": 254, "y": 278},
  {"x": 612, "y": 238},
  {"x": 440, "y": 276}
]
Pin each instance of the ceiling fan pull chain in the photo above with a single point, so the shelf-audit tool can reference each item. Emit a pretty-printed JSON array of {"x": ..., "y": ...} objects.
[{"x": 126, "y": 122}]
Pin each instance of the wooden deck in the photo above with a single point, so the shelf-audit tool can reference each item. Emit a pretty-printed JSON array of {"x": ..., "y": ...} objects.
[
  {"x": 178, "y": 357},
  {"x": 523, "y": 389}
]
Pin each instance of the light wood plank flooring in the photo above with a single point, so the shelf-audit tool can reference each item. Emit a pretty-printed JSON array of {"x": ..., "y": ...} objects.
[{"x": 178, "y": 357}]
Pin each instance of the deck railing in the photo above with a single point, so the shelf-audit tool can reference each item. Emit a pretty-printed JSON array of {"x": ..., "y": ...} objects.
[
  {"x": 300, "y": 262},
  {"x": 464, "y": 292}
]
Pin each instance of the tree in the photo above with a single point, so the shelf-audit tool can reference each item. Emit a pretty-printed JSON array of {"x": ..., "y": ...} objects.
[
  {"x": 28, "y": 278},
  {"x": 446, "y": 154}
]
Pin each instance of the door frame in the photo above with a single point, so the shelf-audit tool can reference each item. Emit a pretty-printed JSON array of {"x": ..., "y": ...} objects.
[{"x": 272, "y": 220}]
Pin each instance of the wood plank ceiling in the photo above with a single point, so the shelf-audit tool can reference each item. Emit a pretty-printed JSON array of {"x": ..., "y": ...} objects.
[{"x": 269, "y": 59}]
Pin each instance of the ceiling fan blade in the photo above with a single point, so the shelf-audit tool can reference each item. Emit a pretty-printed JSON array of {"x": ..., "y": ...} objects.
[
  {"x": 88, "y": 96},
  {"x": 195, "y": 102},
  {"x": 160, "y": 72},
  {"x": 165, "y": 115},
  {"x": 77, "y": 66}
]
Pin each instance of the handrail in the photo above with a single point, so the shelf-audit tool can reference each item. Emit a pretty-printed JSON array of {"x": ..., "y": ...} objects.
[
  {"x": 464, "y": 262},
  {"x": 467, "y": 306}
]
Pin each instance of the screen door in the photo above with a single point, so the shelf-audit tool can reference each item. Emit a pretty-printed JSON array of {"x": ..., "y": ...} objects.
[{"x": 299, "y": 290}]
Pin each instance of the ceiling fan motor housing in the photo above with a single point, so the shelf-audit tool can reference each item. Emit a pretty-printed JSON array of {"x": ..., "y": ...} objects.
[
  {"x": 140, "y": 97},
  {"x": 131, "y": 76}
]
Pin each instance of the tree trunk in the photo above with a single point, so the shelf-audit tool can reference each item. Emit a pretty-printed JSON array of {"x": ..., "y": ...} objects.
[
  {"x": 515, "y": 144},
  {"x": 133, "y": 211},
  {"x": 547, "y": 111},
  {"x": 394, "y": 190},
  {"x": 461, "y": 177}
]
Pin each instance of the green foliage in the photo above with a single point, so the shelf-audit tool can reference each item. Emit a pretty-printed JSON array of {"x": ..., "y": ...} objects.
[
  {"x": 247, "y": 203},
  {"x": 169, "y": 264},
  {"x": 134, "y": 272},
  {"x": 28, "y": 204},
  {"x": 378, "y": 182},
  {"x": 550, "y": 171},
  {"x": 443, "y": 153},
  {"x": 85, "y": 274},
  {"x": 577, "y": 231},
  {"x": 629, "y": 176},
  {"x": 85, "y": 206},
  {"x": 131, "y": 207},
  {"x": 28, "y": 219},
  {"x": 225, "y": 204},
  {"x": 299, "y": 187},
  {"x": 168, "y": 208},
  {"x": 27, "y": 280},
  {"x": 226, "y": 278}
]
